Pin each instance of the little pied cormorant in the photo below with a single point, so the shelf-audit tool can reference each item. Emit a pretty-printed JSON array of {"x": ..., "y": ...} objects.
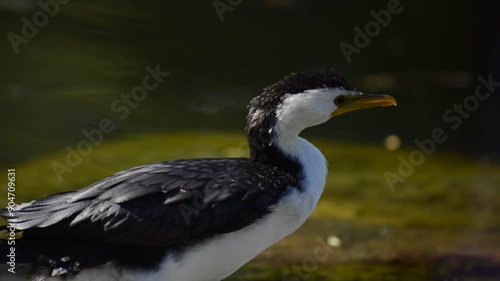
[{"x": 196, "y": 219}]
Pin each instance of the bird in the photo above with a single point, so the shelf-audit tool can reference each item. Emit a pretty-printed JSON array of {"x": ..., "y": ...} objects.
[{"x": 191, "y": 219}]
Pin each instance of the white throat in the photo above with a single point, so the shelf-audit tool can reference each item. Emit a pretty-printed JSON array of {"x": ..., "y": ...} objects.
[{"x": 296, "y": 113}]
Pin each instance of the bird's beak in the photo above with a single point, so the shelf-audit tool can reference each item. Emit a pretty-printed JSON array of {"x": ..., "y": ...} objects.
[{"x": 360, "y": 101}]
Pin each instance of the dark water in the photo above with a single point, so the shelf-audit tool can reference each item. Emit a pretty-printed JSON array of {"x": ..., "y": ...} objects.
[{"x": 67, "y": 77}]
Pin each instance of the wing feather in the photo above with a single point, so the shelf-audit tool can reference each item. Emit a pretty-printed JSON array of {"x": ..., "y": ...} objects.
[{"x": 160, "y": 204}]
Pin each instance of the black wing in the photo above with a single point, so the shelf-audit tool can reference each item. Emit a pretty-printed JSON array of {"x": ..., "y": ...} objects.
[{"x": 159, "y": 205}]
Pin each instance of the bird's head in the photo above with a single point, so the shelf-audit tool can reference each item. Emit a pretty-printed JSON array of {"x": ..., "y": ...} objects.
[{"x": 303, "y": 100}]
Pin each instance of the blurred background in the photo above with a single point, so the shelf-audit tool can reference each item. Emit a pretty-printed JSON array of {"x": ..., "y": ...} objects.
[{"x": 63, "y": 66}]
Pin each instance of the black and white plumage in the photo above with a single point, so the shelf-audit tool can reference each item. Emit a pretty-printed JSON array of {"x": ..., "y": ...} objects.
[{"x": 196, "y": 219}]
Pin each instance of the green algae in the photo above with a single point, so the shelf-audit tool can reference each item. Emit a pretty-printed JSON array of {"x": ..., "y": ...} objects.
[{"x": 439, "y": 224}]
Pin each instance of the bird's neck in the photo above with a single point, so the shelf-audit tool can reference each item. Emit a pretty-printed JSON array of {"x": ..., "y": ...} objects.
[
  {"x": 313, "y": 168},
  {"x": 273, "y": 155},
  {"x": 289, "y": 153},
  {"x": 265, "y": 148}
]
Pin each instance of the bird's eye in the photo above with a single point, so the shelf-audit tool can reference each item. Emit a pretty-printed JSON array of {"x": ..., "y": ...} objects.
[{"x": 339, "y": 100}]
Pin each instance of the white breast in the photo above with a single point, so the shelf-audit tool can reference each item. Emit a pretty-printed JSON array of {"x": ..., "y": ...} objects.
[{"x": 220, "y": 257}]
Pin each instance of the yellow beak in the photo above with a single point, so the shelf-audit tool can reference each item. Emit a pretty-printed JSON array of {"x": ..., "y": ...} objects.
[{"x": 361, "y": 101}]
